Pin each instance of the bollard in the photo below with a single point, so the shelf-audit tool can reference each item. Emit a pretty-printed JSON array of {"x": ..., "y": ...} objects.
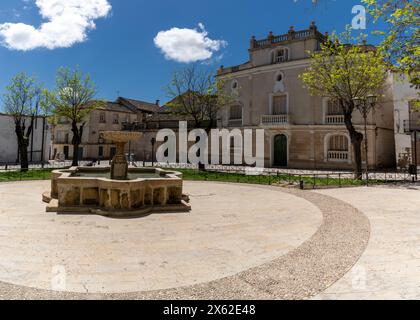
[{"x": 301, "y": 185}]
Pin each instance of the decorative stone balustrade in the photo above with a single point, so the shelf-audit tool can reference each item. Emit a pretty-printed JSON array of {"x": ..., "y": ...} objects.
[
  {"x": 338, "y": 155},
  {"x": 274, "y": 120}
]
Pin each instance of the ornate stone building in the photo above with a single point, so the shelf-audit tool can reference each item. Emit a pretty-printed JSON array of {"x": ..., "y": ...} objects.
[{"x": 301, "y": 131}]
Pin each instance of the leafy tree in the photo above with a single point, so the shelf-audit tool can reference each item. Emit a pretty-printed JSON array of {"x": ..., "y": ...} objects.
[
  {"x": 402, "y": 39},
  {"x": 21, "y": 101},
  {"x": 72, "y": 99},
  {"x": 346, "y": 68},
  {"x": 195, "y": 93}
]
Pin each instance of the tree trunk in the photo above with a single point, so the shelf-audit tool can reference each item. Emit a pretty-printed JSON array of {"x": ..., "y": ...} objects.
[
  {"x": 76, "y": 141},
  {"x": 22, "y": 146},
  {"x": 24, "y": 163},
  {"x": 356, "y": 141}
]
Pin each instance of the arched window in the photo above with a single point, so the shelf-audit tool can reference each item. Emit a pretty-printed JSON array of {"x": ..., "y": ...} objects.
[
  {"x": 281, "y": 55},
  {"x": 339, "y": 143},
  {"x": 338, "y": 148}
]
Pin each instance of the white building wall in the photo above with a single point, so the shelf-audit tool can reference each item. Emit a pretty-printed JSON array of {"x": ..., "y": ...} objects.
[
  {"x": 402, "y": 93},
  {"x": 9, "y": 146}
]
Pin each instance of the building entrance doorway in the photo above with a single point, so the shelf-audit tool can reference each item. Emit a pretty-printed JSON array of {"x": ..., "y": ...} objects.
[{"x": 280, "y": 151}]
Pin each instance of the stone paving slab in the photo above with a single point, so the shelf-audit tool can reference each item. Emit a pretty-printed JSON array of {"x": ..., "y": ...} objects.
[
  {"x": 299, "y": 272},
  {"x": 390, "y": 266},
  {"x": 228, "y": 231}
]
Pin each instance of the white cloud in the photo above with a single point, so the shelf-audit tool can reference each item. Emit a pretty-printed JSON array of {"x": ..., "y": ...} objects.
[
  {"x": 67, "y": 23},
  {"x": 187, "y": 45}
]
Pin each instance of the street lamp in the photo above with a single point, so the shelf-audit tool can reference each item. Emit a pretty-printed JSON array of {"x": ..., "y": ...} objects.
[{"x": 365, "y": 105}]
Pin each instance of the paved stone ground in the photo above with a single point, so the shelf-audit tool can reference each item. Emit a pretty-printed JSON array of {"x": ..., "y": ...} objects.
[
  {"x": 390, "y": 266},
  {"x": 247, "y": 227},
  {"x": 229, "y": 230}
]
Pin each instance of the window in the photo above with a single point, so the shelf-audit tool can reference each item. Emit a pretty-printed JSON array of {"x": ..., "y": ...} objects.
[
  {"x": 116, "y": 119},
  {"x": 281, "y": 55},
  {"x": 334, "y": 108},
  {"x": 339, "y": 143},
  {"x": 235, "y": 113},
  {"x": 102, "y": 118},
  {"x": 66, "y": 138},
  {"x": 101, "y": 152},
  {"x": 279, "y": 77},
  {"x": 338, "y": 148},
  {"x": 280, "y": 105}
]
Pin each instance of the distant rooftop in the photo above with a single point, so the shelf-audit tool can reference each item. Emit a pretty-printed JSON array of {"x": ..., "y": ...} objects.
[{"x": 140, "y": 105}]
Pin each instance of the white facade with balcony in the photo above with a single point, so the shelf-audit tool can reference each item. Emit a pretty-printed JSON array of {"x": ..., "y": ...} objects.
[{"x": 296, "y": 124}]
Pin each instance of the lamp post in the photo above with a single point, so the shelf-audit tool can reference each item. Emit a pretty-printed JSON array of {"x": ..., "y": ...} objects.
[
  {"x": 153, "y": 142},
  {"x": 365, "y": 105}
]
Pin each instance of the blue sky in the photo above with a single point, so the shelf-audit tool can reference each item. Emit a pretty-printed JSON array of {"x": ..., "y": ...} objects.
[{"x": 120, "y": 53}]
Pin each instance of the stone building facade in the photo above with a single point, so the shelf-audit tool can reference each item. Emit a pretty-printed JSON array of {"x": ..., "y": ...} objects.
[
  {"x": 114, "y": 116},
  {"x": 407, "y": 121},
  {"x": 301, "y": 131}
]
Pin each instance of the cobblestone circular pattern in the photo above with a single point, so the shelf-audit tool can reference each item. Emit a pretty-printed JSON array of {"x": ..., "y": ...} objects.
[{"x": 301, "y": 273}]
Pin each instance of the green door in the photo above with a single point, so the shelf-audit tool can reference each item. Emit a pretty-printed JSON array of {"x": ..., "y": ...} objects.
[{"x": 280, "y": 151}]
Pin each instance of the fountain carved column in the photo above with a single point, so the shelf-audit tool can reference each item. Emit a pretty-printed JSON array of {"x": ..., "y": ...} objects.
[{"x": 119, "y": 165}]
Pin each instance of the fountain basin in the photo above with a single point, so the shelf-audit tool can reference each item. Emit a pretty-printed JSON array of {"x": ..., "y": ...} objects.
[{"x": 90, "y": 190}]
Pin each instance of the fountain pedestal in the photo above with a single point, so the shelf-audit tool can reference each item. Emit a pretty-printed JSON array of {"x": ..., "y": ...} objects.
[{"x": 119, "y": 165}]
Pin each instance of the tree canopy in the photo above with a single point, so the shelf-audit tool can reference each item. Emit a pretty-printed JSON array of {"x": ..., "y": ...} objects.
[
  {"x": 196, "y": 93},
  {"x": 401, "y": 44}
]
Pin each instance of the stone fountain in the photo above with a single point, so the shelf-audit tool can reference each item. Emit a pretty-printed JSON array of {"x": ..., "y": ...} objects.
[{"x": 119, "y": 190}]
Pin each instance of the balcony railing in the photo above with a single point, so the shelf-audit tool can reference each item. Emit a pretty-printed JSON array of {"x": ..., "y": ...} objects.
[
  {"x": 411, "y": 125},
  {"x": 338, "y": 155},
  {"x": 235, "y": 123},
  {"x": 334, "y": 119},
  {"x": 275, "y": 120}
]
